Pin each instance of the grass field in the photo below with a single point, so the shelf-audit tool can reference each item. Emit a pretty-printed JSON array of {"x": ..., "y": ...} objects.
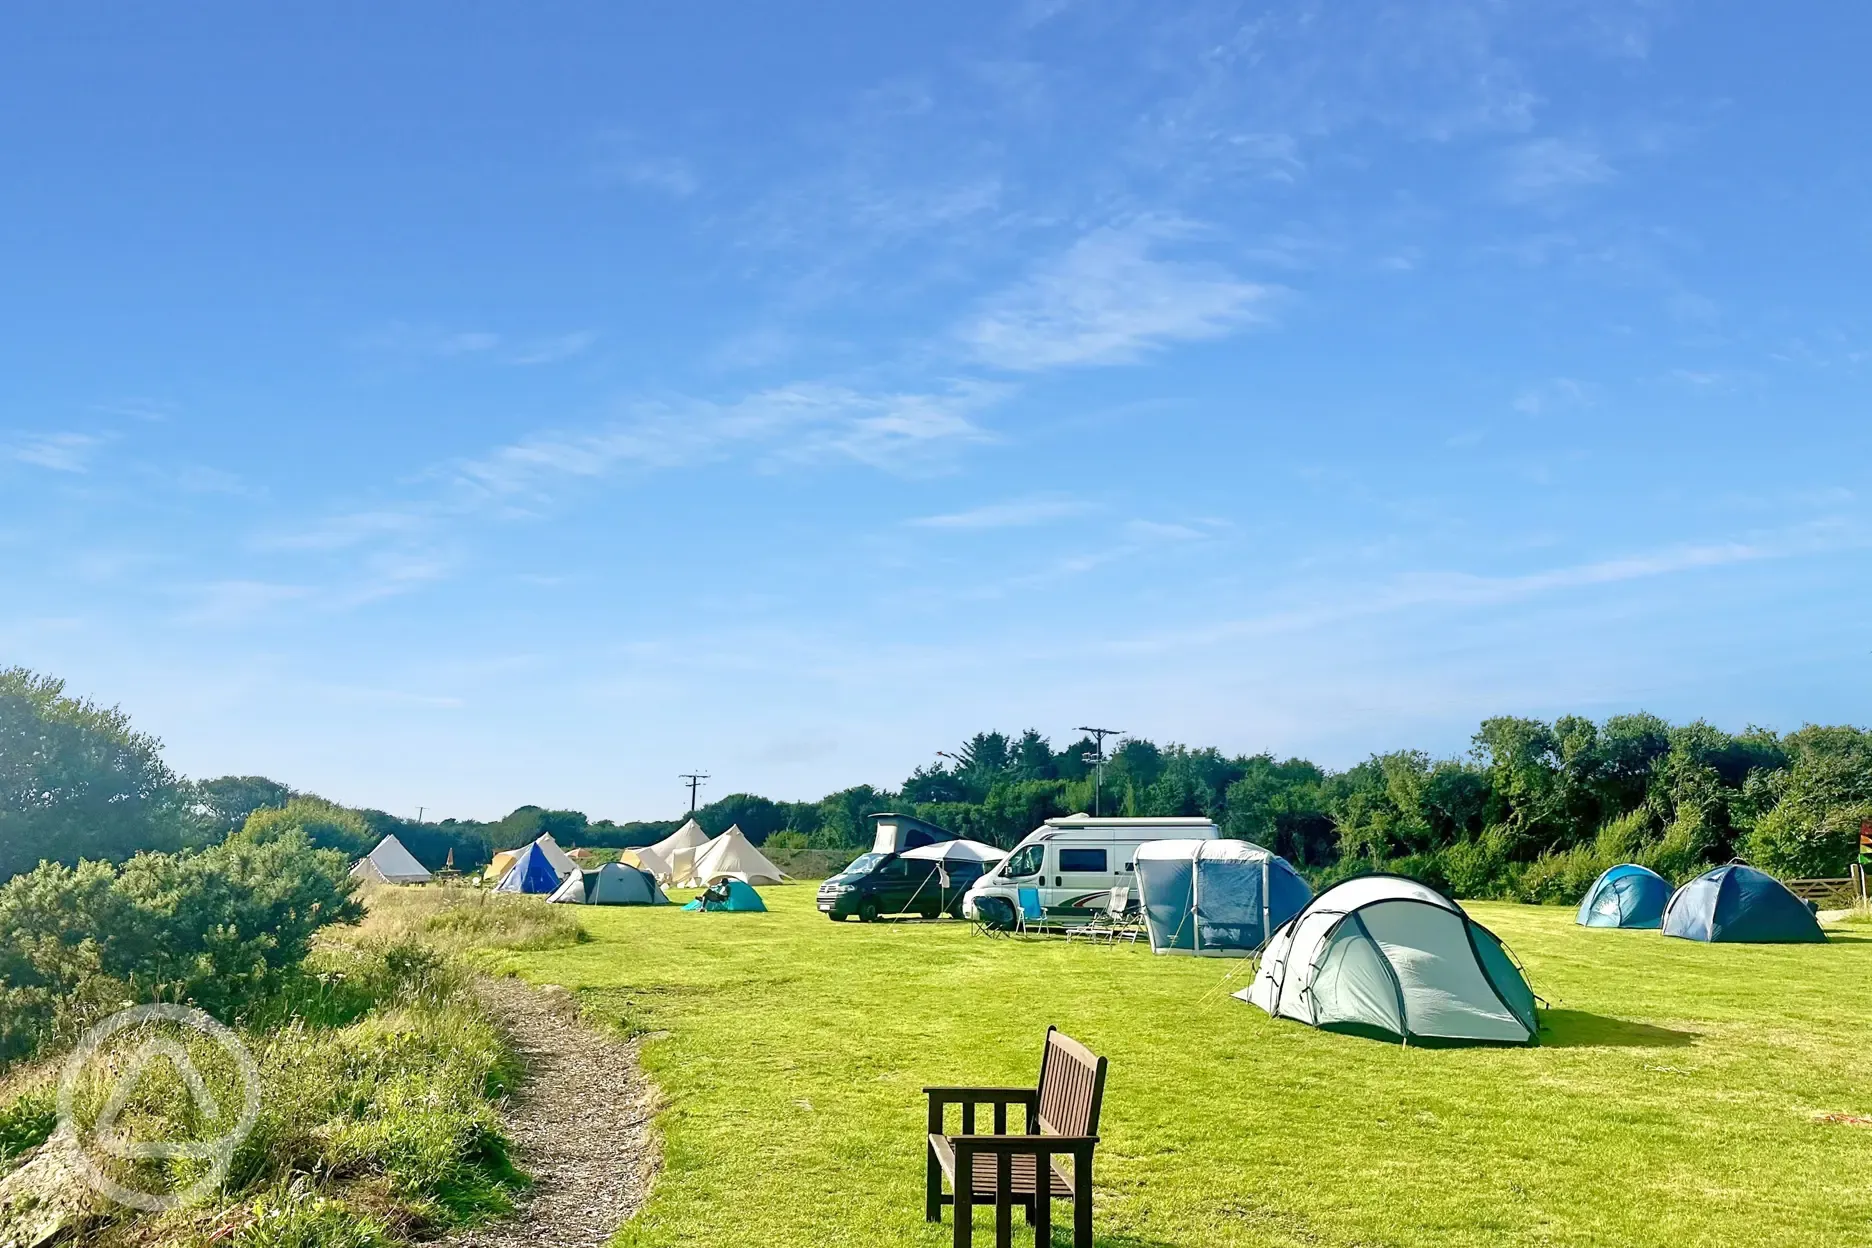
[{"x": 1677, "y": 1098}]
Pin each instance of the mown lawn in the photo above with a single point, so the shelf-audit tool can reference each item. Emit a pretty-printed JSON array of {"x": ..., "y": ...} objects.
[{"x": 1675, "y": 1099}]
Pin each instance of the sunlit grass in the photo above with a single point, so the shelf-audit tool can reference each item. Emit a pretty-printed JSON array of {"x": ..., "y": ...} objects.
[{"x": 1675, "y": 1099}]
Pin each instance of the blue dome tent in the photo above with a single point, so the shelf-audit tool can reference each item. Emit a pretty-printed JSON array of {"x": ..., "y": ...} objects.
[
  {"x": 532, "y": 872},
  {"x": 1627, "y": 895},
  {"x": 1739, "y": 903},
  {"x": 1219, "y": 899}
]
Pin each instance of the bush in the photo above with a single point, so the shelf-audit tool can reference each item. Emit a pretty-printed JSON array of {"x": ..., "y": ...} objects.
[
  {"x": 221, "y": 929},
  {"x": 297, "y": 1217},
  {"x": 326, "y": 825}
]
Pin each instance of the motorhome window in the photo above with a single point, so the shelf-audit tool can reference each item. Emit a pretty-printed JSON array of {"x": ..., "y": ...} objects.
[
  {"x": 1025, "y": 861},
  {"x": 1081, "y": 860}
]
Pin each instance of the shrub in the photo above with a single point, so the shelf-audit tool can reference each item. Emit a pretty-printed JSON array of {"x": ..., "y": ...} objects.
[
  {"x": 221, "y": 929},
  {"x": 297, "y": 1217},
  {"x": 326, "y": 825}
]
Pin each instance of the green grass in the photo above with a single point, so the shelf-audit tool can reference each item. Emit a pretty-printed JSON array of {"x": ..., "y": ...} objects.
[{"x": 1674, "y": 1101}]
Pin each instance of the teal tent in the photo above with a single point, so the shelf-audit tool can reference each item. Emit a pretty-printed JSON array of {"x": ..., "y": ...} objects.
[
  {"x": 1627, "y": 895},
  {"x": 1381, "y": 955},
  {"x": 728, "y": 895},
  {"x": 1740, "y": 903},
  {"x": 532, "y": 872}
]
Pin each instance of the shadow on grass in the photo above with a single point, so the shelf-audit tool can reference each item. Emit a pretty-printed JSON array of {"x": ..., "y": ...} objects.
[{"x": 1576, "y": 1029}]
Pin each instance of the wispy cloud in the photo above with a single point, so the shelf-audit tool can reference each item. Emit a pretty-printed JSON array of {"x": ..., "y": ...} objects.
[
  {"x": 665, "y": 174},
  {"x": 1019, "y": 513},
  {"x": 1109, "y": 299},
  {"x": 236, "y": 602},
  {"x": 1553, "y": 395},
  {"x": 781, "y": 427},
  {"x": 554, "y": 349},
  {"x": 403, "y": 338},
  {"x": 60, "y": 452},
  {"x": 1541, "y": 170}
]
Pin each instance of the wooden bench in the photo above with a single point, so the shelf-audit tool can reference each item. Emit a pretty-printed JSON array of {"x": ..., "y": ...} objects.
[{"x": 1061, "y": 1121}]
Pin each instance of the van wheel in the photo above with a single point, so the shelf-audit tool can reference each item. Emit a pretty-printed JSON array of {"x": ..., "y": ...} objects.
[
  {"x": 930, "y": 910},
  {"x": 867, "y": 911}
]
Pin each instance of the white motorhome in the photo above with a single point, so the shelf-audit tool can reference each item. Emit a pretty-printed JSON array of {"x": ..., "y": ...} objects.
[{"x": 1071, "y": 864}]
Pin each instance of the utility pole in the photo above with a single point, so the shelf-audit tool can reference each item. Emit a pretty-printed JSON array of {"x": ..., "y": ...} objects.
[
  {"x": 419, "y": 813},
  {"x": 1097, "y": 759},
  {"x": 695, "y": 779}
]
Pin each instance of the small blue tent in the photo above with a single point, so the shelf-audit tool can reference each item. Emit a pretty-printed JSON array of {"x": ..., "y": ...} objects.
[
  {"x": 1627, "y": 895},
  {"x": 728, "y": 895},
  {"x": 532, "y": 872},
  {"x": 1739, "y": 903}
]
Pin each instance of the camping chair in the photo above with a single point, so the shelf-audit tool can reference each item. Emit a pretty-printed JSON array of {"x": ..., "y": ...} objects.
[
  {"x": 1031, "y": 914},
  {"x": 1107, "y": 922},
  {"x": 1004, "y": 1170}
]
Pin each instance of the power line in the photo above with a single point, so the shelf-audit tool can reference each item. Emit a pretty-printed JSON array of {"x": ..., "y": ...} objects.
[
  {"x": 695, "y": 779},
  {"x": 1097, "y": 759}
]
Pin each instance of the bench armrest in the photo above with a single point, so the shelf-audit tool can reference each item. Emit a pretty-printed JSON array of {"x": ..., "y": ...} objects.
[
  {"x": 1020, "y": 1144},
  {"x": 982, "y": 1096}
]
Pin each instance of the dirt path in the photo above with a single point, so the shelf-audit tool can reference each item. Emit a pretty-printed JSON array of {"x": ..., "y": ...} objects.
[{"x": 580, "y": 1123}]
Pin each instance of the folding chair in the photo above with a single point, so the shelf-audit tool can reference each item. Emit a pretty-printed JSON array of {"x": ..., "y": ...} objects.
[
  {"x": 1108, "y": 921},
  {"x": 1031, "y": 914}
]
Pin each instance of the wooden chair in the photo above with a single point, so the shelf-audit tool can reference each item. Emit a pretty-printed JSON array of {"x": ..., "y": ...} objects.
[{"x": 1062, "y": 1116}]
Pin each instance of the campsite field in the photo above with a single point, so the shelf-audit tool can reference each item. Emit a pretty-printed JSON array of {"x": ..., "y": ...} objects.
[{"x": 1677, "y": 1098}]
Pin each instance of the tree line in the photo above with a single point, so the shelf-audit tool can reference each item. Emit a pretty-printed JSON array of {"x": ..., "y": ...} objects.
[{"x": 1533, "y": 810}]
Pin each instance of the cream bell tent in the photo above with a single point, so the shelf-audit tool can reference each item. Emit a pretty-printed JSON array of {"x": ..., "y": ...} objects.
[
  {"x": 677, "y": 851},
  {"x": 645, "y": 859},
  {"x": 1386, "y": 956},
  {"x": 390, "y": 863},
  {"x": 502, "y": 864},
  {"x": 731, "y": 856}
]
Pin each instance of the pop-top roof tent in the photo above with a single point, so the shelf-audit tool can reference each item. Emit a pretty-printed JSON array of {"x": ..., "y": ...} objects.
[
  {"x": 731, "y": 856},
  {"x": 728, "y": 895},
  {"x": 390, "y": 863},
  {"x": 503, "y": 863},
  {"x": 1386, "y": 956},
  {"x": 893, "y": 833},
  {"x": 677, "y": 851},
  {"x": 610, "y": 885},
  {"x": 1219, "y": 899},
  {"x": 1740, "y": 903},
  {"x": 532, "y": 872},
  {"x": 1627, "y": 895}
]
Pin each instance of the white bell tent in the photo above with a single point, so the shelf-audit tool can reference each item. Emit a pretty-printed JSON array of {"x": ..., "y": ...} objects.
[
  {"x": 731, "y": 856},
  {"x": 390, "y": 863}
]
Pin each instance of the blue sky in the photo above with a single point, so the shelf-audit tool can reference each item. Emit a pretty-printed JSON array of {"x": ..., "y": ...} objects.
[{"x": 459, "y": 406}]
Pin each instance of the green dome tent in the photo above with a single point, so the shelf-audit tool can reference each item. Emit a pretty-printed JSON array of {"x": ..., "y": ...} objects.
[
  {"x": 1386, "y": 956},
  {"x": 610, "y": 885},
  {"x": 728, "y": 895}
]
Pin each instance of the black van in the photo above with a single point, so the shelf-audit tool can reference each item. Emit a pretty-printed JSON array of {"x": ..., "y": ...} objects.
[{"x": 879, "y": 883}]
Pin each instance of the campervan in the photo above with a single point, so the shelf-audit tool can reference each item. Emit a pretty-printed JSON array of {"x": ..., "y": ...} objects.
[{"x": 1068, "y": 867}]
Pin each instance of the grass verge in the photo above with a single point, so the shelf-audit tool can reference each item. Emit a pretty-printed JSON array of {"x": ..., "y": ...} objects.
[
  {"x": 1678, "y": 1096},
  {"x": 378, "y": 1073}
]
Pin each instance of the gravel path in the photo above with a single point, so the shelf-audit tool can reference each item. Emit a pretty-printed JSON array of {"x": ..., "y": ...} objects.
[{"x": 580, "y": 1123}]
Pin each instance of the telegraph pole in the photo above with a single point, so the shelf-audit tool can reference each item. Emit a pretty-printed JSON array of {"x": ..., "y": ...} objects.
[
  {"x": 695, "y": 779},
  {"x": 1097, "y": 759}
]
